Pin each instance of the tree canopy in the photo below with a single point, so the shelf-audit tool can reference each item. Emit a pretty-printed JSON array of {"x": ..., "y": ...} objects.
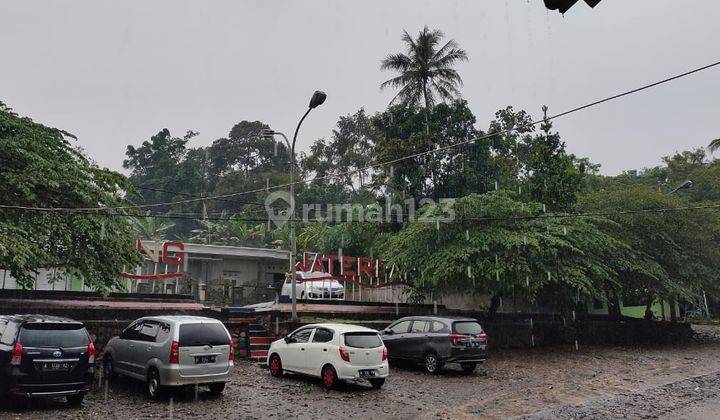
[{"x": 42, "y": 169}]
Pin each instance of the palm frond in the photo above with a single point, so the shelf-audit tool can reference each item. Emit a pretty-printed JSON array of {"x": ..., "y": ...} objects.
[{"x": 714, "y": 145}]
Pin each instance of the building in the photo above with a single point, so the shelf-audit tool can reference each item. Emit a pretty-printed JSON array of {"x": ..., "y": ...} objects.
[{"x": 213, "y": 274}]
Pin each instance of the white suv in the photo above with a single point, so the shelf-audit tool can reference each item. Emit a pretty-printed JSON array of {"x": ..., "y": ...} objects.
[
  {"x": 314, "y": 285},
  {"x": 332, "y": 352}
]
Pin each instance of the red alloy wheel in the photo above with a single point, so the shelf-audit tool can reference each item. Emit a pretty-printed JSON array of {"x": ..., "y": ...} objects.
[
  {"x": 328, "y": 378},
  {"x": 274, "y": 366}
]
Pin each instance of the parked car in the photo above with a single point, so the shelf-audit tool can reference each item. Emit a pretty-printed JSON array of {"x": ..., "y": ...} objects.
[
  {"x": 434, "y": 341},
  {"x": 332, "y": 352},
  {"x": 45, "y": 356},
  {"x": 172, "y": 351},
  {"x": 314, "y": 285}
]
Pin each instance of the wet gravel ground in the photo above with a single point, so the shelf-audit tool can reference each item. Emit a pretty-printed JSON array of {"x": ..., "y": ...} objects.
[
  {"x": 594, "y": 382},
  {"x": 695, "y": 398}
]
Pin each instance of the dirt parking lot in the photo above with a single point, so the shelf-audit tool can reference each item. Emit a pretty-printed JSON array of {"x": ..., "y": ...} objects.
[{"x": 594, "y": 382}]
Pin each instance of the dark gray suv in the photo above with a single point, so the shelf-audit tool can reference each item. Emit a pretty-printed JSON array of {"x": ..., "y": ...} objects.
[{"x": 434, "y": 341}]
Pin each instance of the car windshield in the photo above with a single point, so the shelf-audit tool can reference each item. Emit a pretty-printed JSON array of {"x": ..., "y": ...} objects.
[
  {"x": 202, "y": 334},
  {"x": 53, "y": 335},
  {"x": 467, "y": 327},
  {"x": 362, "y": 340}
]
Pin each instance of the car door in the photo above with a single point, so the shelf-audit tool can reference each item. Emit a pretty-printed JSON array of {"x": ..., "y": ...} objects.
[
  {"x": 319, "y": 349},
  {"x": 295, "y": 358},
  {"x": 416, "y": 339},
  {"x": 144, "y": 346},
  {"x": 124, "y": 347},
  {"x": 394, "y": 339}
]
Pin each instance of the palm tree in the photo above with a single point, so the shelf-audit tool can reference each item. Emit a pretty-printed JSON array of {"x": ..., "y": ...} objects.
[
  {"x": 714, "y": 145},
  {"x": 149, "y": 227},
  {"x": 426, "y": 72}
]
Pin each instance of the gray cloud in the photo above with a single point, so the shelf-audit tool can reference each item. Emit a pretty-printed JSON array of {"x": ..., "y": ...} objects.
[{"x": 114, "y": 73}]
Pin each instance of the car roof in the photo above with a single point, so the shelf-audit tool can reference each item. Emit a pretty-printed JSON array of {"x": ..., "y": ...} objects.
[
  {"x": 341, "y": 328},
  {"x": 34, "y": 318},
  {"x": 180, "y": 318},
  {"x": 437, "y": 318}
]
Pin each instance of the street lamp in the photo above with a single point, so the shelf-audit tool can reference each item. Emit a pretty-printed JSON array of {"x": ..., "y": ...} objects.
[
  {"x": 317, "y": 99},
  {"x": 685, "y": 185}
]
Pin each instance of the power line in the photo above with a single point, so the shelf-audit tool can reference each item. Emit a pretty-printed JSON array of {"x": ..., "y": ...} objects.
[
  {"x": 400, "y": 159},
  {"x": 430, "y": 220},
  {"x": 203, "y": 197}
]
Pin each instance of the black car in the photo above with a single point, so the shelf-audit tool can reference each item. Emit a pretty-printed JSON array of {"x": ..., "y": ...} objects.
[
  {"x": 434, "y": 341},
  {"x": 45, "y": 356}
]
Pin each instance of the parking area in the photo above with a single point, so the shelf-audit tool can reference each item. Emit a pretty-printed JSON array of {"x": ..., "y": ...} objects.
[{"x": 541, "y": 383}]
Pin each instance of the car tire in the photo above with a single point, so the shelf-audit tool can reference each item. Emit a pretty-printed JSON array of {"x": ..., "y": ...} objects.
[
  {"x": 216, "y": 388},
  {"x": 377, "y": 383},
  {"x": 431, "y": 363},
  {"x": 275, "y": 366},
  {"x": 109, "y": 367},
  {"x": 152, "y": 386},
  {"x": 468, "y": 367},
  {"x": 75, "y": 400},
  {"x": 329, "y": 378}
]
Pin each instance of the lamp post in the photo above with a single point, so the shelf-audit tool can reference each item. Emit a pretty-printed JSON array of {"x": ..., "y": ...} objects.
[{"x": 317, "y": 99}]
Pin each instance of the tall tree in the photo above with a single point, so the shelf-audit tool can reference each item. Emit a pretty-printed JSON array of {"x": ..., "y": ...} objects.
[
  {"x": 339, "y": 162},
  {"x": 426, "y": 72},
  {"x": 42, "y": 168}
]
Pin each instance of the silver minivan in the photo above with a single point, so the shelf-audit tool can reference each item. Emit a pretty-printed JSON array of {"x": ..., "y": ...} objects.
[{"x": 170, "y": 351}]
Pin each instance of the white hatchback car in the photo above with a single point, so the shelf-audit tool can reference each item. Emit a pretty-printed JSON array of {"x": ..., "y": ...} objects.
[{"x": 332, "y": 352}]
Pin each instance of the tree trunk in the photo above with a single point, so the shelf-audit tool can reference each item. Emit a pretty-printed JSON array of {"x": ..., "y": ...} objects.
[
  {"x": 614, "y": 306},
  {"x": 427, "y": 109},
  {"x": 648, "y": 307},
  {"x": 494, "y": 305},
  {"x": 662, "y": 309},
  {"x": 673, "y": 314}
]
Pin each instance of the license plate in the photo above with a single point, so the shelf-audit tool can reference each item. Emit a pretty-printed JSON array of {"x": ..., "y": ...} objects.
[
  {"x": 366, "y": 373},
  {"x": 55, "y": 366},
  {"x": 471, "y": 344},
  {"x": 204, "y": 359}
]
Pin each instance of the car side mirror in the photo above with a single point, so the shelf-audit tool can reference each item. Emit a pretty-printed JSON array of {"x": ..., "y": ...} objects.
[
  {"x": 289, "y": 340},
  {"x": 388, "y": 331}
]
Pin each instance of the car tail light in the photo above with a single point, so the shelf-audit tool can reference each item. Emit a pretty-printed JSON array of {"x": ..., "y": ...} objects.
[
  {"x": 344, "y": 354},
  {"x": 384, "y": 354},
  {"x": 457, "y": 338},
  {"x": 231, "y": 356},
  {"x": 17, "y": 352},
  {"x": 174, "y": 353},
  {"x": 482, "y": 336},
  {"x": 91, "y": 353}
]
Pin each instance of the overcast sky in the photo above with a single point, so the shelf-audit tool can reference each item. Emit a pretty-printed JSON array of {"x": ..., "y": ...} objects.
[{"x": 114, "y": 73}]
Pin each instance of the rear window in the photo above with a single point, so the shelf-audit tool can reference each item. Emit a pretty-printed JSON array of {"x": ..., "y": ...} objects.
[
  {"x": 213, "y": 334},
  {"x": 53, "y": 335},
  {"x": 362, "y": 340},
  {"x": 467, "y": 327}
]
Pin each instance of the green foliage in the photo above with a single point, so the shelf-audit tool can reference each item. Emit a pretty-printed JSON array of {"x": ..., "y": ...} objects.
[
  {"x": 683, "y": 244},
  {"x": 150, "y": 227},
  {"x": 498, "y": 246},
  {"x": 41, "y": 168},
  {"x": 337, "y": 163},
  {"x": 425, "y": 71}
]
